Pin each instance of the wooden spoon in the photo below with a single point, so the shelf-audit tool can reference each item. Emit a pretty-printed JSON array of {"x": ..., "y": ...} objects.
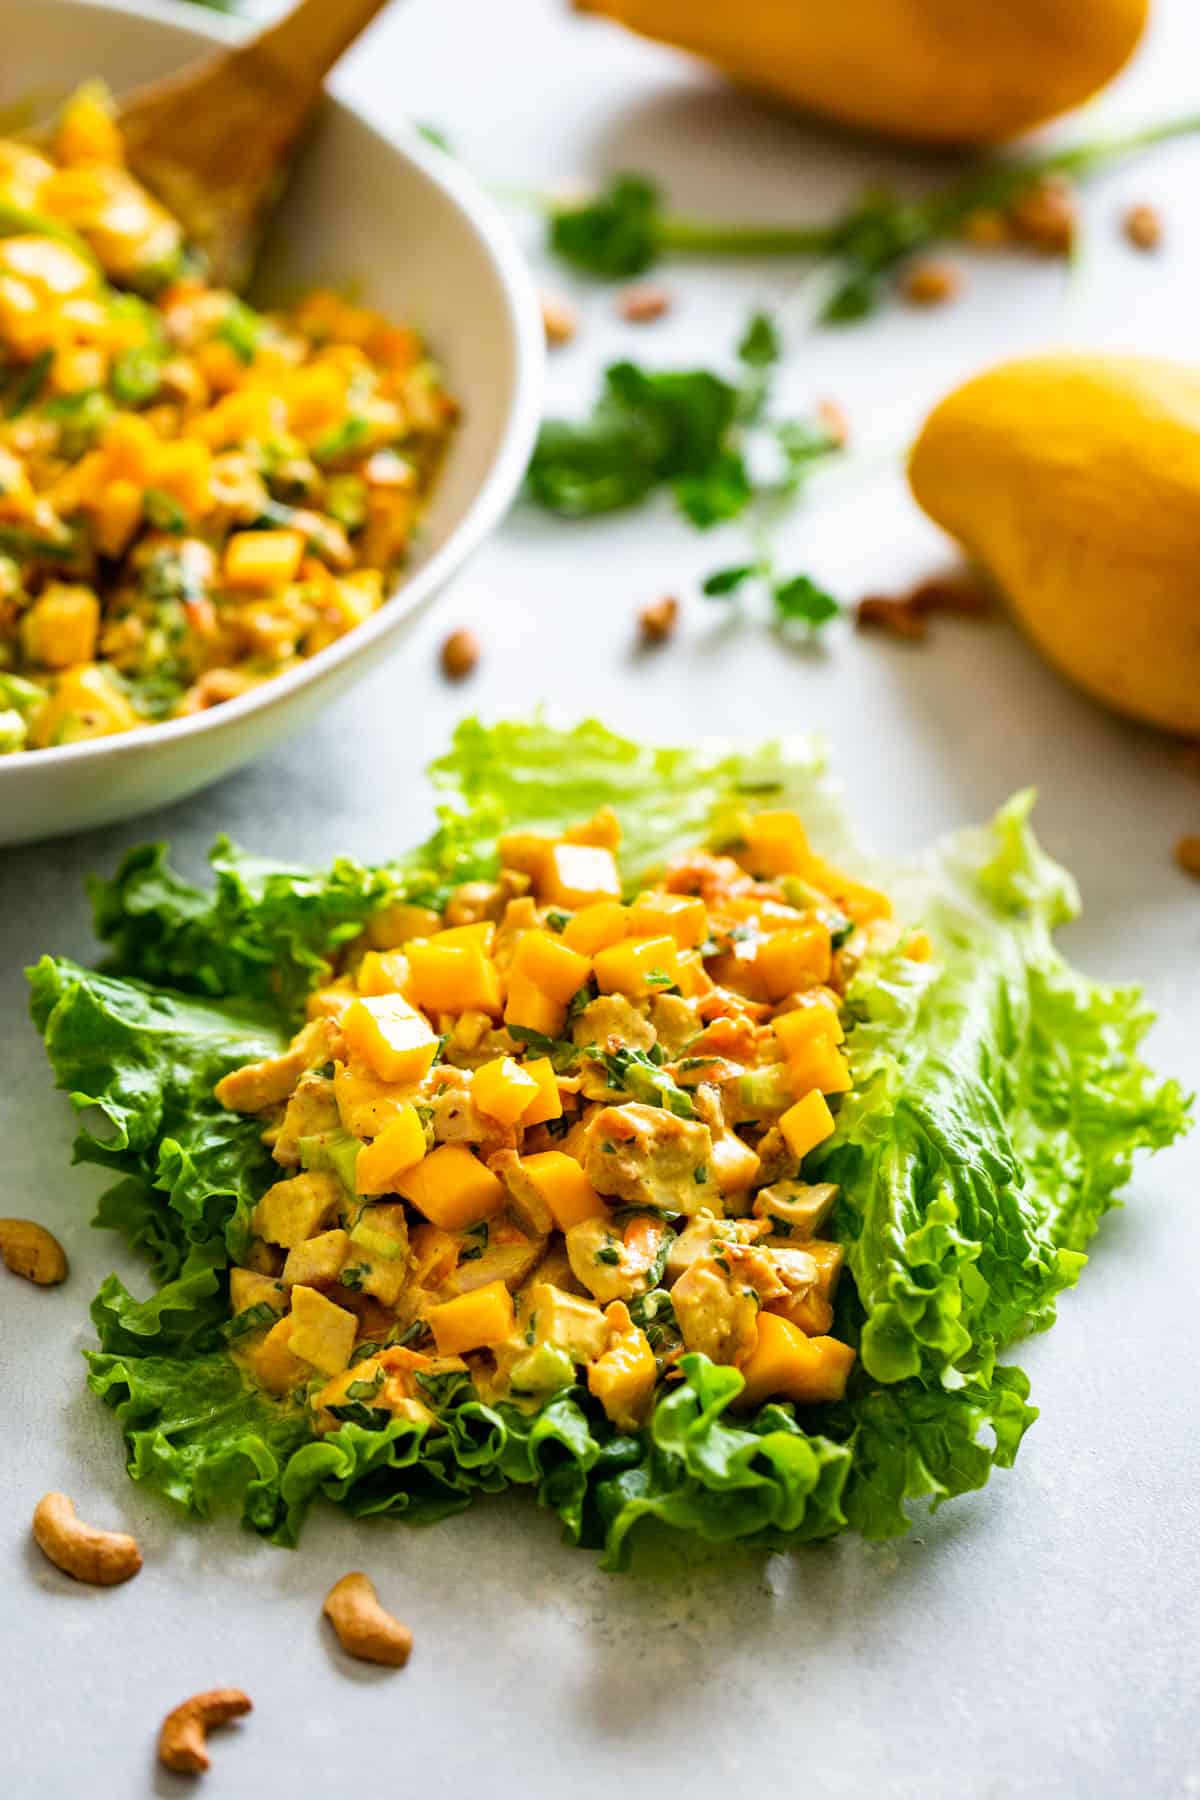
[{"x": 215, "y": 142}]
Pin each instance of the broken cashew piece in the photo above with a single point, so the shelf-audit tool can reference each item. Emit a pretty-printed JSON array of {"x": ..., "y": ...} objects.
[
  {"x": 102, "y": 1558},
  {"x": 364, "y": 1629},
  {"x": 31, "y": 1251},
  {"x": 181, "y": 1743}
]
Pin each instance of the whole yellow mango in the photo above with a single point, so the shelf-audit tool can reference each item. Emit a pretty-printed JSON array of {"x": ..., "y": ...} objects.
[
  {"x": 1074, "y": 480},
  {"x": 931, "y": 71}
]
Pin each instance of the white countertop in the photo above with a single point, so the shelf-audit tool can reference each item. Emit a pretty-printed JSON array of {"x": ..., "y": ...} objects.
[{"x": 1037, "y": 1639}]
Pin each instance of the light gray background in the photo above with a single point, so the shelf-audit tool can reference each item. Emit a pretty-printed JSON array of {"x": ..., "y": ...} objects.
[{"x": 1039, "y": 1639}]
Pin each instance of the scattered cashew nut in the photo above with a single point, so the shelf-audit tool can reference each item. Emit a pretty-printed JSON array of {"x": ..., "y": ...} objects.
[
  {"x": 102, "y": 1558},
  {"x": 364, "y": 1629},
  {"x": 32, "y": 1251},
  {"x": 181, "y": 1741}
]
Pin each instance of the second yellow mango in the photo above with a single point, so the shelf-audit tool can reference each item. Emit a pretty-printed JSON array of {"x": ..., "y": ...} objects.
[{"x": 931, "y": 71}]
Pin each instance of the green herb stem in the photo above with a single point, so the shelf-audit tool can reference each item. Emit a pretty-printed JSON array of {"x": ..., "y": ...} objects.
[{"x": 704, "y": 237}]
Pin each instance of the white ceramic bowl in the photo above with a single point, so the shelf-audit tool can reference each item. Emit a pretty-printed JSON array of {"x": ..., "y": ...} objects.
[{"x": 419, "y": 239}]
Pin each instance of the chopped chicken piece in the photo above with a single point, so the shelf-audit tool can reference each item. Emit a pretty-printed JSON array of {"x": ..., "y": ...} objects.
[
  {"x": 613, "y": 1023},
  {"x": 616, "y": 1263},
  {"x": 259, "y": 1085},
  {"x": 697, "y": 1238},
  {"x": 675, "y": 1023},
  {"x": 311, "y": 1110},
  {"x": 717, "y": 1312},
  {"x": 645, "y": 1156},
  {"x": 796, "y": 1207},
  {"x": 525, "y": 1201}
]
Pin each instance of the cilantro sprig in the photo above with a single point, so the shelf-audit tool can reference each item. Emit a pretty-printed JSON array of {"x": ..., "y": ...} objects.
[
  {"x": 714, "y": 444},
  {"x": 687, "y": 431},
  {"x": 627, "y": 228}
]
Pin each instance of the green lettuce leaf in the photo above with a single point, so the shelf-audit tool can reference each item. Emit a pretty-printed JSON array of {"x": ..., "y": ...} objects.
[
  {"x": 147, "y": 1060},
  {"x": 998, "y": 1105},
  {"x": 263, "y": 932}
]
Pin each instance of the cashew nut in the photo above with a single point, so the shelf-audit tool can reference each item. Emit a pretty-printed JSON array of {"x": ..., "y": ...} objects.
[
  {"x": 102, "y": 1558},
  {"x": 181, "y": 1741},
  {"x": 30, "y": 1250},
  {"x": 364, "y": 1629}
]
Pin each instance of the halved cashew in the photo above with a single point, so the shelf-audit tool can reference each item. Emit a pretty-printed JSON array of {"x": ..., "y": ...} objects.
[
  {"x": 102, "y": 1558},
  {"x": 364, "y": 1629},
  {"x": 181, "y": 1743},
  {"x": 32, "y": 1251}
]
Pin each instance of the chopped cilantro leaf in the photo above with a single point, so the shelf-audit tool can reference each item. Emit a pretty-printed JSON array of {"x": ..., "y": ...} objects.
[
  {"x": 728, "y": 581},
  {"x": 801, "y": 601}
]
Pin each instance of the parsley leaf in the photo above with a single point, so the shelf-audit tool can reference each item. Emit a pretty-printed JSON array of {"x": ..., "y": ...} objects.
[
  {"x": 801, "y": 601},
  {"x": 563, "y": 1055},
  {"x": 727, "y": 581},
  {"x": 687, "y": 430},
  {"x": 760, "y": 343},
  {"x": 614, "y": 234},
  {"x": 633, "y": 1072}
]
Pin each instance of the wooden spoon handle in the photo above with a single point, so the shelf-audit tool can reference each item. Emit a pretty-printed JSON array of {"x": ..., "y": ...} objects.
[{"x": 312, "y": 37}]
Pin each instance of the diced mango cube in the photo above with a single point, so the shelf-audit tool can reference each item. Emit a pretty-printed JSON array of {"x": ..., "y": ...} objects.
[
  {"x": 85, "y": 704},
  {"x": 382, "y": 972},
  {"x": 61, "y": 627},
  {"x": 602, "y": 828},
  {"x": 452, "y": 1188},
  {"x": 472, "y": 1321},
  {"x": 638, "y": 967},
  {"x": 563, "y": 1186},
  {"x": 680, "y": 916},
  {"x": 273, "y": 1363},
  {"x": 399, "y": 1146},
  {"x": 503, "y": 1089},
  {"x": 87, "y": 131},
  {"x": 547, "y": 1104},
  {"x": 322, "y": 1334},
  {"x": 117, "y": 515},
  {"x": 529, "y": 1006},
  {"x": 788, "y": 959},
  {"x": 524, "y": 851},
  {"x": 819, "y": 1064},
  {"x": 919, "y": 947},
  {"x": 551, "y": 965},
  {"x": 390, "y": 1036},
  {"x": 784, "y": 1362},
  {"x": 776, "y": 844},
  {"x": 815, "y": 1016},
  {"x": 479, "y": 936},
  {"x": 807, "y": 1124},
  {"x": 596, "y": 927},
  {"x": 453, "y": 973},
  {"x": 577, "y": 875},
  {"x": 623, "y": 1378},
  {"x": 263, "y": 559}
]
